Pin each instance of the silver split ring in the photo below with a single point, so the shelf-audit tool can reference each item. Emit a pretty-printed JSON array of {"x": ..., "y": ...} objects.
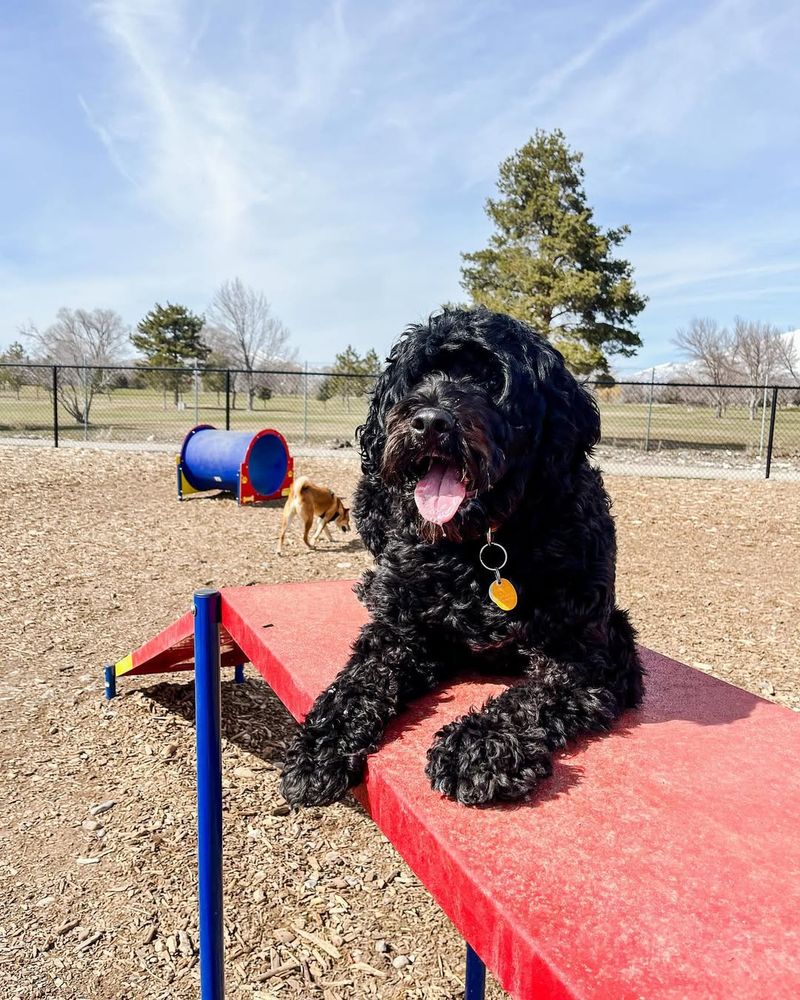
[{"x": 492, "y": 545}]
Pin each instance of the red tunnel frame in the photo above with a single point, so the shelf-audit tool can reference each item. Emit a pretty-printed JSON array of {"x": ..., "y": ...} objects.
[{"x": 245, "y": 492}]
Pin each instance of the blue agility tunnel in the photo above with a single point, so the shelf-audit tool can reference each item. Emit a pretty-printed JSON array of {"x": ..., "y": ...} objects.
[{"x": 253, "y": 466}]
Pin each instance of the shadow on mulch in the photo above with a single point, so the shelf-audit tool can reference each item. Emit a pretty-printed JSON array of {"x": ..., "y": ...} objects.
[
  {"x": 228, "y": 497},
  {"x": 252, "y": 718}
]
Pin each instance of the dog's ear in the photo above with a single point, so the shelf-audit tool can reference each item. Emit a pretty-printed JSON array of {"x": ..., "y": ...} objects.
[
  {"x": 389, "y": 387},
  {"x": 572, "y": 419}
]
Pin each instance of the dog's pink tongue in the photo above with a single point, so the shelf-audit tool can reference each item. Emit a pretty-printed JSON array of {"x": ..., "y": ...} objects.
[{"x": 439, "y": 493}]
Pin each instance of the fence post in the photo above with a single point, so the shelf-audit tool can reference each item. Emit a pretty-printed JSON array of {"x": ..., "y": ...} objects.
[
  {"x": 85, "y": 400},
  {"x": 771, "y": 430},
  {"x": 763, "y": 420},
  {"x": 305, "y": 404},
  {"x": 649, "y": 410},
  {"x": 55, "y": 406},
  {"x": 227, "y": 399}
]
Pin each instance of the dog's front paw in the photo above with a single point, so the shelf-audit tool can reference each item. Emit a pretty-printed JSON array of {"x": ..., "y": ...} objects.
[
  {"x": 315, "y": 777},
  {"x": 479, "y": 759}
]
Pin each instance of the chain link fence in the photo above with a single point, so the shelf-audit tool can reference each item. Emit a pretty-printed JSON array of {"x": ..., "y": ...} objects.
[
  {"x": 736, "y": 431},
  {"x": 703, "y": 431}
]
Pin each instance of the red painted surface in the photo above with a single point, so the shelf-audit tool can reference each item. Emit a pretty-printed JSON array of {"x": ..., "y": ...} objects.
[
  {"x": 173, "y": 649},
  {"x": 298, "y": 635},
  {"x": 660, "y": 861}
]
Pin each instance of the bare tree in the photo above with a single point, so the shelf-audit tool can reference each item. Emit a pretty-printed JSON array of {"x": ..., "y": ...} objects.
[
  {"x": 789, "y": 356},
  {"x": 80, "y": 340},
  {"x": 291, "y": 380},
  {"x": 257, "y": 338},
  {"x": 223, "y": 355},
  {"x": 757, "y": 355},
  {"x": 710, "y": 347}
]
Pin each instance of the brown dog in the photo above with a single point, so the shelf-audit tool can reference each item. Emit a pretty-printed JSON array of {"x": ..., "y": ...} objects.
[{"x": 310, "y": 501}]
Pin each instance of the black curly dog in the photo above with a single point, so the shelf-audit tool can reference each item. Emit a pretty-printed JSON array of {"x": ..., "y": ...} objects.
[{"x": 477, "y": 425}]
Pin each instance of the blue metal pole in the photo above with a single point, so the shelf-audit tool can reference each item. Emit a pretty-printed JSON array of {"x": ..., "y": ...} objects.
[
  {"x": 238, "y": 673},
  {"x": 209, "y": 791},
  {"x": 110, "y": 682},
  {"x": 476, "y": 977}
]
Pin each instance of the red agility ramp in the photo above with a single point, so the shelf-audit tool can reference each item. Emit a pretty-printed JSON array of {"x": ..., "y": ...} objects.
[{"x": 659, "y": 861}]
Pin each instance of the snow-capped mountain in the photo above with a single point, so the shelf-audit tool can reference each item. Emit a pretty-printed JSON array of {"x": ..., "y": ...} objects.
[
  {"x": 670, "y": 371},
  {"x": 685, "y": 371}
]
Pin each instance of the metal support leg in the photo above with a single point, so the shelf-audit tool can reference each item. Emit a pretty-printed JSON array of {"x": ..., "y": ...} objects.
[
  {"x": 238, "y": 673},
  {"x": 209, "y": 791},
  {"x": 110, "y": 682},
  {"x": 476, "y": 977}
]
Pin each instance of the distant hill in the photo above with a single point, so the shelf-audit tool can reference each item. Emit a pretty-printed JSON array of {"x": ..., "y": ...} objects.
[
  {"x": 670, "y": 371},
  {"x": 687, "y": 371}
]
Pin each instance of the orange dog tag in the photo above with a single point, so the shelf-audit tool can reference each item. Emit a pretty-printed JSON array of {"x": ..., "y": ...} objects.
[{"x": 503, "y": 594}]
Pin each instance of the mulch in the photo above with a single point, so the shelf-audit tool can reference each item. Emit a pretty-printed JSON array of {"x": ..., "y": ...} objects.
[{"x": 97, "y": 840}]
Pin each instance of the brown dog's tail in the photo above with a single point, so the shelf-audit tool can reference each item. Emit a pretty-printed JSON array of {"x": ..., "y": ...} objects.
[{"x": 301, "y": 484}]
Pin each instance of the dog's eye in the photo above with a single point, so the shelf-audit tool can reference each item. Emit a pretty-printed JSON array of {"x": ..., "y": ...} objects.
[
  {"x": 493, "y": 380},
  {"x": 474, "y": 363}
]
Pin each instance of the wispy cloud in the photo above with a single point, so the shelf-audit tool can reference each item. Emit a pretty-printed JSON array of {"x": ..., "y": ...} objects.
[
  {"x": 338, "y": 154},
  {"x": 108, "y": 142},
  {"x": 572, "y": 67},
  {"x": 181, "y": 132}
]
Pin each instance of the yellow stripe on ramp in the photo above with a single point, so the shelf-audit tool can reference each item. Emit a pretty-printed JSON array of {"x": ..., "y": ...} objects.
[{"x": 124, "y": 665}]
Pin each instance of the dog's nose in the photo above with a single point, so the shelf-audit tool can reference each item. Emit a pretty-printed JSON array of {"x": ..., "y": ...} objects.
[{"x": 432, "y": 418}]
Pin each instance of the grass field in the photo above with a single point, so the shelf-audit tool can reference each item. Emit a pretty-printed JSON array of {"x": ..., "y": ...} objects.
[
  {"x": 678, "y": 425},
  {"x": 140, "y": 415}
]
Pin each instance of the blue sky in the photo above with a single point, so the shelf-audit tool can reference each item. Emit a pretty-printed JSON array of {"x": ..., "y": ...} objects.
[{"x": 338, "y": 155}]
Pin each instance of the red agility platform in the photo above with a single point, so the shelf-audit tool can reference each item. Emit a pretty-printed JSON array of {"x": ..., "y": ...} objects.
[{"x": 660, "y": 861}]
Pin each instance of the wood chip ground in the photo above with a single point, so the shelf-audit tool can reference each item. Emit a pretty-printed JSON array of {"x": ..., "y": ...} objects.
[{"x": 97, "y": 837}]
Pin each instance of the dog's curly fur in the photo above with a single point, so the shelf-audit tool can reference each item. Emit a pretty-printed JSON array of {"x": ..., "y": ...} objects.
[{"x": 521, "y": 431}]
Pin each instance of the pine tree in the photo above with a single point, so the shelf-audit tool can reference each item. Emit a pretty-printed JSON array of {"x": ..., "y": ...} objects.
[
  {"x": 169, "y": 337},
  {"x": 550, "y": 264},
  {"x": 13, "y": 377},
  {"x": 351, "y": 375}
]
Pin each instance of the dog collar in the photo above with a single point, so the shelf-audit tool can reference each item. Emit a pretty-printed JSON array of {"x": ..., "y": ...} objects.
[{"x": 501, "y": 591}]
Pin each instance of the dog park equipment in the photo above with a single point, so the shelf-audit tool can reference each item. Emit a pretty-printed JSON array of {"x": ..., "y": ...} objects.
[
  {"x": 656, "y": 862},
  {"x": 254, "y": 466}
]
